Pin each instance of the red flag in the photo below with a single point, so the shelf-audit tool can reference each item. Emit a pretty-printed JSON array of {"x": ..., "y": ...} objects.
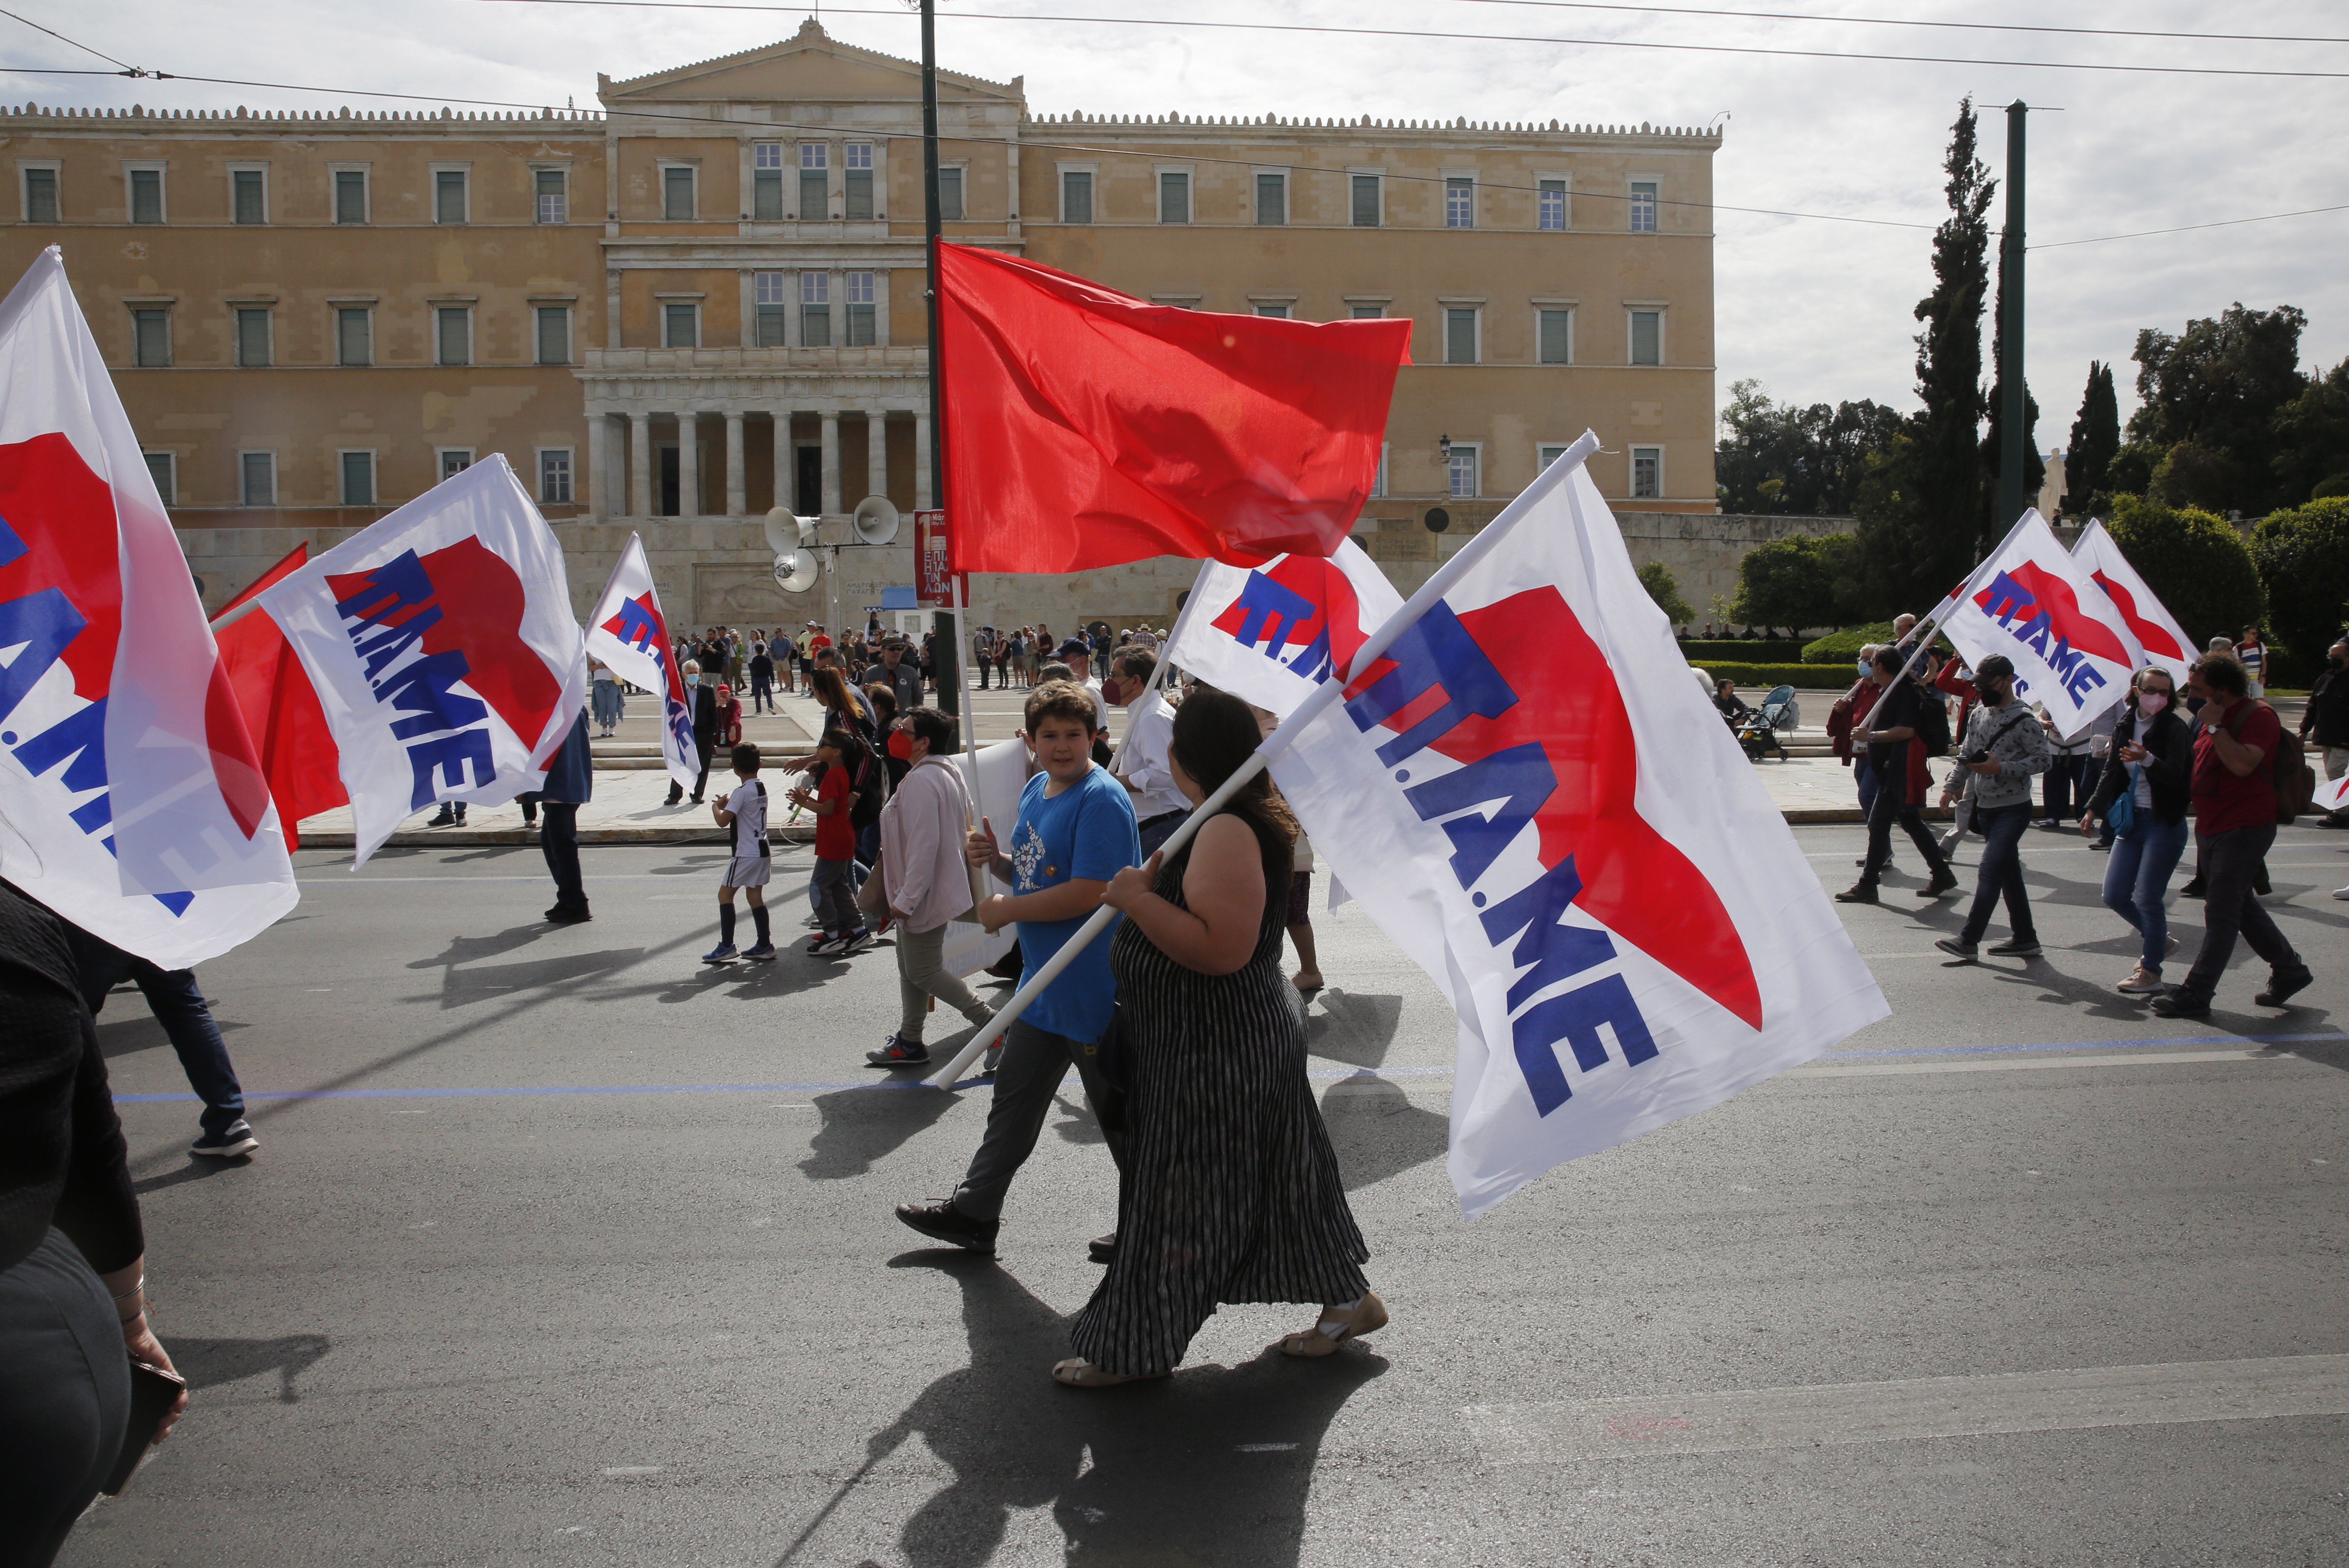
[
  {"x": 1089, "y": 428},
  {"x": 289, "y": 730}
]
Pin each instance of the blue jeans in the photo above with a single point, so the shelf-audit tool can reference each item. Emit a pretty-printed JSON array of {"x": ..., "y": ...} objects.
[
  {"x": 2066, "y": 785},
  {"x": 2002, "y": 873},
  {"x": 172, "y": 996},
  {"x": 1864, "y": 779},
  {"x": 2138, "y": 874}
]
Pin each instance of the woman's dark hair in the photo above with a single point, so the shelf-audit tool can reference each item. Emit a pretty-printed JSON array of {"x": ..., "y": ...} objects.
[
  {"x": 832, "y": 690},
  {"x": 883, "y": 702},
  {"x": 928, "y": 724},
  {"x": 1214, "y": 734}
]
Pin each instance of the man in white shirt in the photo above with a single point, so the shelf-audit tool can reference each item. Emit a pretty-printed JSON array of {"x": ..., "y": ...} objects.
[{"x": 1141, "y": 767}]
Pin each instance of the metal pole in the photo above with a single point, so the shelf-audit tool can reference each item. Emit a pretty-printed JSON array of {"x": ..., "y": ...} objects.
[
  {"x": 947, "y": 626},
  {"x": 2010, "y": 500}
]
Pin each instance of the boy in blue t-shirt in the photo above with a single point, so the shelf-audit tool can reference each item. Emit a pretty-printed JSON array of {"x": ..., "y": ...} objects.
[{"x": 1075, "y": 831}]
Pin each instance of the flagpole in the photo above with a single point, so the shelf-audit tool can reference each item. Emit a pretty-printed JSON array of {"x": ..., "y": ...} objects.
[
  {"x": 1463, "y": 560},
  {"x": 1158, "y": 670}
]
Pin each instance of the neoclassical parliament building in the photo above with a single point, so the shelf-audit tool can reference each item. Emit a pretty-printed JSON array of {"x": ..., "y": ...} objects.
[{"x": 706, "y": 299}]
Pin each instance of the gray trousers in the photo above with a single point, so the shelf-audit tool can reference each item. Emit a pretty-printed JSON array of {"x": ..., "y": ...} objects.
[
  {"x": 835, "y": 897},
  {"x": 1034, "y": 1063},
  {"x": 922, "y": 974}
]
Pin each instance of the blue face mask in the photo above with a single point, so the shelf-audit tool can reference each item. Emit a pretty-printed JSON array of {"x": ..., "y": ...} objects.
[
  {"x": 1863, "y": 666},
  {"x": 693, "y": 680}
]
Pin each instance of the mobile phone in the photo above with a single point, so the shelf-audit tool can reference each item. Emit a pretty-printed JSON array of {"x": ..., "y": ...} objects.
[{"x": 154, "y": 1392}]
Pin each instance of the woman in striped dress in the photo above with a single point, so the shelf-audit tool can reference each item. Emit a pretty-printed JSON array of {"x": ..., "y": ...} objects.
[{"x": 1231, "y": 1191}]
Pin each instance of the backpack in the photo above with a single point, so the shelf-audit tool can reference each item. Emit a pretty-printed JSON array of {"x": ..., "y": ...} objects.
[
  {"x": 2295, "y": 779},
  {"x": 1934, "y": 723}
]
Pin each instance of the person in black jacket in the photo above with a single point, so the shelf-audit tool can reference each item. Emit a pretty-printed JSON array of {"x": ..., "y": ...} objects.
[
  {"x": 2152, "y": 762},
  {"x": 704, "y": 696},
  {"x": 2327, "y": 724},
  {"x": 69, "y": 1241}
]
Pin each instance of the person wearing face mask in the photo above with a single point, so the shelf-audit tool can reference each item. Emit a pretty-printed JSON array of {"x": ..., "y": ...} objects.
[
  {"x": 922, "y": 830},
  {"x": 2325, "y": 725},
  {"x": 2003, "y": 749},
  {"x": 2153, "y": 753},
  {"x": 1890, "y": 734},
  {"x": 703, "y": 696}
]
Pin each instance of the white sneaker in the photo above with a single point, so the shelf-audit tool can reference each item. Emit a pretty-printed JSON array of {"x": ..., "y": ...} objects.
[
  {"x": 2341, "y": 892},
  {"x": 2141, "y": 984}
]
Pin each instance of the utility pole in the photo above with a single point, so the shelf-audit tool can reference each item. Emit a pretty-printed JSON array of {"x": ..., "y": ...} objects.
[
  {"x": 2010, "y": 463},
  {"x": 949, "y": 640}
]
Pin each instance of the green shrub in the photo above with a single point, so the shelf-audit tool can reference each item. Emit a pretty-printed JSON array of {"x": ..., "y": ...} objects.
[
  {"x": 2194, "y": 561},
  {"x": 2302, "y": 556},
  {"x": 1806, "y": 677},
  {"x": 1657, "y": 579},
  {"x": 1843, "y": 647},
  {"x": 1760, "y": 651},
  {"x": 1799, "y": 580}
]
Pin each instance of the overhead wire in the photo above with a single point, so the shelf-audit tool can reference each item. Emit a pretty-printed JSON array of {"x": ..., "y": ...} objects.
[
  {"x": 76, "y": 42},
  {"x": 1917, "y": 22}
]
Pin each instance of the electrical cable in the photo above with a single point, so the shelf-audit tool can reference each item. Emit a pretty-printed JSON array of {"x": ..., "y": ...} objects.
[
  {"x": 1905, "y": 22},
  {"x": 2188, "y": 228},
  {"x": 76, "y": 42}
]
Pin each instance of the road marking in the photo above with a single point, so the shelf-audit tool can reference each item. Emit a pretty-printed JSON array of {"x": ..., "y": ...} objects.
[
  {"x": 1879, "y": 1070},
  {"x": 631, "y": 1470},
  {"x": 1567, "y": 1431}
]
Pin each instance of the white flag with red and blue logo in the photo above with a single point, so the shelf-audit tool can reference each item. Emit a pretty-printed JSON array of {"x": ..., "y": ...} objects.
[
  {"x": 1529, "y": 795},
  {"x": 441, "y": 646},
  {"x": 130, "y": 799},
  {"x": 2072, "y": 650},
  {"x": 1269, "y": 634},
  {"x": 2164, "y": 641},
  {"x": 629, "y": 633}
]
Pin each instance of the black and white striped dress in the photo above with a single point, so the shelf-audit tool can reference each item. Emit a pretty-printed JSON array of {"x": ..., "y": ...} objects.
[{"x": 1231, "y": 1190}]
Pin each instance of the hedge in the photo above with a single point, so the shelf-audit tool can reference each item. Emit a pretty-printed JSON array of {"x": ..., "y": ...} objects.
[
  {"x": 1803, "y": 677},
  {"x": 1755, "y": 650},
  {"x": 1843, "y": 647}
]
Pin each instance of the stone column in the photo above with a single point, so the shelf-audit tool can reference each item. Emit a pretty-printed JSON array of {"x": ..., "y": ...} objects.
[
  {"x": 876, "y": 451},
  {"x": 640, "y": 460},
  {"x": 689, "y": 464},
  {"x": 599, "y": 465},
  {"x": 923, "y": 501},
  {"x": 735, "y": 502},
  {"x": 787, "y": 471},
  {"x": 831, "y": 507}
]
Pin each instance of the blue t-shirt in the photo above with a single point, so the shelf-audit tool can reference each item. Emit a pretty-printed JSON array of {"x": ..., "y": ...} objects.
[{"x": 1086, "y": 830}]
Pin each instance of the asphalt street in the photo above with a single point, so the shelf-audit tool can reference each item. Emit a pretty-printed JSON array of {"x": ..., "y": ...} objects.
[{"x": 561, "y": 1248}]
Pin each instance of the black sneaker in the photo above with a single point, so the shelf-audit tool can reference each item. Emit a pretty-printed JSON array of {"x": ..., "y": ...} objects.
[
  {"x": 2282, "y": 988},
  {"x": 444, "y": 819},
  {"x": 2178, "y": 1004},
  {"x": 2016, "y": 947},
  {"x": 1965, "y": 951},
  {"x": 1102, "y": 1249},
  {"x": 568, "y": 914},
  {"x": 945, "y": 1223},
  {"x": 2194, "y": 888},
  {"x": 897, "y": 1051},
  {"x": 235, "y": 1140}
]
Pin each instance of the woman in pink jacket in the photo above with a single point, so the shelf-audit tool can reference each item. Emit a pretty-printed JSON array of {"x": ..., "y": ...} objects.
[{"x": 922, "y": 869}]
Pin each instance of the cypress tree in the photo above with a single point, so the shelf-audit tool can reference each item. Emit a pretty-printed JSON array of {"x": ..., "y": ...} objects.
[{"x": 2095, "y": 437}]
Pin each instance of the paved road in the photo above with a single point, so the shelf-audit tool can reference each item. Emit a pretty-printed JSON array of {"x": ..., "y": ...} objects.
[{"x": 431, "y": 1324}]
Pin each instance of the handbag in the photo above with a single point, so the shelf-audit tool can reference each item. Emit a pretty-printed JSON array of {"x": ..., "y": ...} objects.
[{"x": 2121, "y": 815}]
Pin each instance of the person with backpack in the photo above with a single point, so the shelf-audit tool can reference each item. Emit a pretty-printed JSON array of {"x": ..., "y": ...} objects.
[
  {"x": 2003, "y": 749},
  {"x": 1902, "y": 713},
  {"x": 2239, "y": 796}
]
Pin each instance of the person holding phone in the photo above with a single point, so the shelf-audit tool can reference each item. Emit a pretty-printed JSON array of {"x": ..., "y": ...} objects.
[{"x": 2153, "y": 753}]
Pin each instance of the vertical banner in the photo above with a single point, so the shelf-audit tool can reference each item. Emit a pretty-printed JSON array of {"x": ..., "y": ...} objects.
[{"x": 933, "y": 583}]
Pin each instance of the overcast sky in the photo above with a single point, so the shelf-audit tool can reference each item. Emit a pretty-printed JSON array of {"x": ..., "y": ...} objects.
[{"x": 1816, "y": 311}]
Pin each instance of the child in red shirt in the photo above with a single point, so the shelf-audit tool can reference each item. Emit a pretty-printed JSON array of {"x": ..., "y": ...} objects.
[{"x": 835, "y": 845}]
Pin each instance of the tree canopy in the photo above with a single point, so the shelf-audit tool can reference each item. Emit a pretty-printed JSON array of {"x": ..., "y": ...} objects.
[
  {"x": 2303, "y": 559},
  {"x": 1778, "y": 458},
  {"x": 2095, "y": 437},
  {"x": 2196, "y": 563},
  {"x": 1657, "y": 579},
  {"x": 1803, "y": 582},
  {"x": 2215, "y": 391}
]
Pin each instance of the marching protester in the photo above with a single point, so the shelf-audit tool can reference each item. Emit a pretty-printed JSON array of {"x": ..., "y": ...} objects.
[
  {"x": 1074, "y": 832},
  {"x": 70, "y": 1239},
  {"x": 1159, "y": 807},
  {"x": 2004, "y": 746},
  {"x": 704, "y": 699},
  {"x": 2071, "y": 768},
  {"x": 1229, "y": 1191},
  {"x": 840, "y": 931},
  {"x": 570, "y": 784},
  {"x": 2234, "y": 826},
  {"x": 743, "y": 813},
  {"x": 1891, "y": 735},
  {"x": 179, "y": 1005},
  {"x": 923, "y": 830},
  {"x": 610, "y": 701},
  {"x": 2141, "y": 800},
  {"x": 2326, "y": 723},
  {"x": 1956, "y": 682}
]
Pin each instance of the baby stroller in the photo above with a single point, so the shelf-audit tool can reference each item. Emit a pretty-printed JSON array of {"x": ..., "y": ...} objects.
[{"x": 1758, "y": 731}]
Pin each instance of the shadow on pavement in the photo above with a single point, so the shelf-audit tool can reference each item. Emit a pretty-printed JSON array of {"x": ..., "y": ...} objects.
[
  {"x": 1213, "y": 1465},
  {"x": 209, "y": 1363},
  {"x": 1355, "y": 1029},
  {"x": 199, "y": 1167},
  {"x": 862, "y": 1125},
  {"x": 1379, "y": 1133}
]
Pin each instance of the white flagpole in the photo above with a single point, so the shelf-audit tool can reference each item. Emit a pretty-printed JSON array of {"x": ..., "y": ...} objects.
[
  {"x": 1463, "y": 562},
  {"x": 1158, "y": 671}
]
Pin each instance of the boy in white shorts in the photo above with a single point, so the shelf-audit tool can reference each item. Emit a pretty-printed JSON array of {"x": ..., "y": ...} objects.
[{"x": 745, "y": 811}]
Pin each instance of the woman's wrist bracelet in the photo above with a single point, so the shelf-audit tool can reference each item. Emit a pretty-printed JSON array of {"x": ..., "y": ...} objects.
[{"x": 135, "y": 1289}]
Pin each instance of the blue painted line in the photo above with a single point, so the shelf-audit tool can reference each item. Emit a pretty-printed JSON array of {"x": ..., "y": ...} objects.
[{"x": 1327, "y": 1073}]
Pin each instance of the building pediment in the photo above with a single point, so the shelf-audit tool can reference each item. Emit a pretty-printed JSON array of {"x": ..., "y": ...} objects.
[{"x": 810, "y": 66}]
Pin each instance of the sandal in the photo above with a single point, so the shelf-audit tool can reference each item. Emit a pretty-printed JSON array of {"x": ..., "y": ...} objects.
[
  {"x": 1078, "y": 1373},
  {"x": 1368, "y": 1317}
]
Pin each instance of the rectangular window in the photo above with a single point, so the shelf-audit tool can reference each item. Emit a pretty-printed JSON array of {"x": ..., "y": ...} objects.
[
  {"x": 1459, "y": 336},
  {"x": 448, "y": 196},
  {"x": 1369, "y": 312},
  {"x": 552, "y": 188},
  {"x": 1461, "y": 472},
  {"x": 1550, "y": 205},
  {"x": 163, "y": 468},
  {"x": 554, "y": 475},
  {"x": 257, "y": 475},
  {"x": 680, "y": 325},
  {"x": 1643, "y": 206},
  {"x": 252, "y": 193},
  {"x": 861, "y": 310},
  {"x": 815, "y": 310},
  {"x": 815, "y": 197},
  {"x": 146, "y": 195},
  {"x": 350, "y": 196},
  {"x": 950, "y": 196},
  {"x": 455, "y": 460},
  {"x": 1647, "y": 337},
  {"x": 1278, "y": 311},
  {"x": 766, "y": 293},
  {"x": 1545, "y": 456},
  {"x": 677, "y": 195},
  {"x": 358, "y": 479},
  {"x": 1366, "y": 200},
  {"x": 253, "y": 338},
  {"x": 454, "y": 336},
  {"x": 40, "y": 195},
  {"x": 1272, "y": 198},
  {"x": 857, "y": 179},
  {"x": 1077, "y": 196},
  {"x": 1556, "y": 336},
  {"x": 1174, "y": 197},
  {"x": 354, "y": 335},
  {"x": 555, "y": 334},
  {"x": 151, "y": 331},
  {"x": 1459, "y": 203},
  {"x": 766, "y": 181},
  {"x": 1647, "y": 473}
]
